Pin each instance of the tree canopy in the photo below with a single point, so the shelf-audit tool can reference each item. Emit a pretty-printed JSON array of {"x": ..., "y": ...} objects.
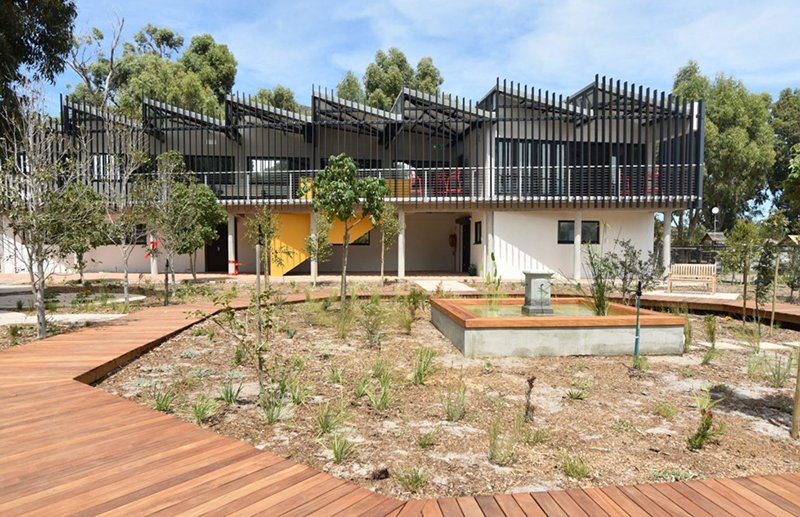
[
  {"x": 35, "y": 37},
  {"x": 739, "y": 150},
  {"x": 279, "y": 97},
  {"x": 786, "y": 124},
  {"x": 149, "y": 66},
  {"x": 386, "y": 76}
]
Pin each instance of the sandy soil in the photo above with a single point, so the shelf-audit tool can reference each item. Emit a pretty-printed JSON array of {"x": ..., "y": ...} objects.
[{"x": 614, "y": 429}]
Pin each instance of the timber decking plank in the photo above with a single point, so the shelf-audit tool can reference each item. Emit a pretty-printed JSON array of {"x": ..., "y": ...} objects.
[
  {"x": 548, "y": 505},
  {"x": 78, "y": 450},
  {"x": 469, "y": 507},
  {"x": 489, "y": 506},
  {"x": 528, "y": 504},
  {"x": 509, "y": 505},
  {"x": 567, "y": 503},
  {"x": 450, "y": 507}
]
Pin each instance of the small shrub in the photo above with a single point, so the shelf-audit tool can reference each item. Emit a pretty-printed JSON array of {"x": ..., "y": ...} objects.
[
  {"x": 581, "y": 384},
  {"x": 229, "y": 394},
  {"x": 755, "y": 365},
  {"x": 535, "y": 436},
  {"x": 336, "y": 374},
  {"x": 411, "y": 479},
  {"x": 189, "y": 354},
  {"x": 640, "y": 363},
  {"x": 290, "y": 332},
  {"x": 751, "y": 335},
  {"x": 423, "y": 364},
  {"x": 687, "y": 337},
  {"x": 380, "y": 368},
  {"x": 373, "y": 321},
  {"x": 455, "y": 401},
  {"x": 778, "y": 370},
  {"x": 345, "y": 321},
  {"x": 428, "y": 439},
  {"x": 710, "y": 354},
  {"x": 707, "y": 429},
  {"x": 163, "y": 398},
  {"x": 574, "y": 466},
  {"x": 341, "y": 447},
  {"x": 672, "y": 475},
  {"x": 239, "y": 355},
  {"x": 272, "y": 408},
  {"x": 406, "y": 320},
  {"x": 710, "y": 325},
  {"x": 329, "y": 418},
  {"x": 361, "y": 386},
  {"x": 299, "y": 391},
  {"x": 622, "y": 426},
  {"x": 203, "y": 409},
  {"x": 665, "y": 409},
  {"x": 578, "y": 365},
  {"x": 576, "y": 394},
  {"x": 14, "y": 333},
  {"x": 528, "y": 413},
  {"x": 381, "y": 399},
  {"x": 501, "y": 446},
  {"x": 415, "y": 301}
]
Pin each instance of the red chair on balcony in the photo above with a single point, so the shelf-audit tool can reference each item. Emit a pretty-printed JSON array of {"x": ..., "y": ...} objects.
[
  {"x": 449, "y": 182},
  {"x": 416, "y": 186}
]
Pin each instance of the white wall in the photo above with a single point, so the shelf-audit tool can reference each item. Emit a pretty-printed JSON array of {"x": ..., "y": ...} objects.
[{"x": 529, "y": 240}]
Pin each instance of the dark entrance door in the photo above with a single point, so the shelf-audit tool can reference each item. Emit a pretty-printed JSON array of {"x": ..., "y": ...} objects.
[
  {"x": 217, "y": 252},
  {"x": 465, "y": 243}
]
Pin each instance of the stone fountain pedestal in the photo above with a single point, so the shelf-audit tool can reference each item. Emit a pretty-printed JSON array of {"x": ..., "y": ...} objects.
[{"x": 537, "y": 293}]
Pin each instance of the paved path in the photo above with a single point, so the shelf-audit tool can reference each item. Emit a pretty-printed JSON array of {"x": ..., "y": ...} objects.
[{"x": 70, "y": 449}]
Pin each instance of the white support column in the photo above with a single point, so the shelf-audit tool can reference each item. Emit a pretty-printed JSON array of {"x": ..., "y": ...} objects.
[
  {"x": 666, "y": 242},
  {"x": 153, "y": 258},
  {"x": 313, "y": 263},
  {"x": 401, "y": 245},
  {"x": 577, "y": 257},
  {"x": 231, "y": 244}
]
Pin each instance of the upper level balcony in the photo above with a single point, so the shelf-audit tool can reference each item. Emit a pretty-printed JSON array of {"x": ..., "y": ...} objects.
[{"x": 610, "y": 144}]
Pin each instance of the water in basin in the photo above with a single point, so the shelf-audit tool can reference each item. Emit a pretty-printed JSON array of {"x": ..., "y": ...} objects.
[{"x": 515, "y": 311}]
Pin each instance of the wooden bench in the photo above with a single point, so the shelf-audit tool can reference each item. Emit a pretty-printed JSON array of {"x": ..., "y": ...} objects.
[{"x": 696, "y": 273}]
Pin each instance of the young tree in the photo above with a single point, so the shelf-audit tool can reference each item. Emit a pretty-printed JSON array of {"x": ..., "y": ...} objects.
[
  {"x": 764, "y": 270},
  {"x": 317, "y": 244},
  {"x": 338, "y": 192},
  {"x": 742, "y": 245},
  {"x": 391, "y": 228},
  {"x": 629, "y": 267},
  {"x": 204, "y": 215},
  {"x": 84, "y": 230},
  {"x": 175, "y": 204},
  {"x": 775, "y": 228},
  {"x": 37, "y": 168},
  {"x": 125, "y": 226},
  {"x": 262, "y": 226}
]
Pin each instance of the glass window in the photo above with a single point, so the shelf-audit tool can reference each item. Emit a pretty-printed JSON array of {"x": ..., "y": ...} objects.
[
  {"x": 478, "y": 232},
  {"x": 590, "y": 232}
]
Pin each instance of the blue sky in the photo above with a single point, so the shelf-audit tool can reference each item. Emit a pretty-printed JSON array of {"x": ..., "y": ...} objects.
[{"x": 557, "y": 45}]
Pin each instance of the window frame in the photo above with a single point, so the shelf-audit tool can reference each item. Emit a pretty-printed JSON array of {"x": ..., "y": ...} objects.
[{"x": 584, "y": 232}]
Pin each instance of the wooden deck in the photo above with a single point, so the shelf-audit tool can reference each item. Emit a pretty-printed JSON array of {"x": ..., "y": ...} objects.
[{"x": 71, "y": 449}]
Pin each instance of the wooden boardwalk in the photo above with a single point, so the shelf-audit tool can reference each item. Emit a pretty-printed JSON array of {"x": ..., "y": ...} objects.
[{"x": 70, "y": 449}]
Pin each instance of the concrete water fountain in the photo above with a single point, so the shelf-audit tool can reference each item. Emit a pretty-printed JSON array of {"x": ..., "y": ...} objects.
[{"x": 537, "y": 293}]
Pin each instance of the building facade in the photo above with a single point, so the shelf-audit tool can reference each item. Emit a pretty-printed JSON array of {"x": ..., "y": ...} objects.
[{"x": 523, "y": 175}]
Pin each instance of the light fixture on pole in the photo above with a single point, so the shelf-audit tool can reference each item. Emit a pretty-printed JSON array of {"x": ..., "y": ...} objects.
[{"x": 715, "y": 211}]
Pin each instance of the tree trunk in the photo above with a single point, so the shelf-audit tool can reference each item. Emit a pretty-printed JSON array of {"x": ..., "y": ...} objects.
[
  {"x": 774, "y": 293},
  {"x": 81, "y": 267},
  {"x": 383, "y": 252},
  {"x": 744, "y": 295},
  {"x": 126, "y": 253},
  {"x": 166, "y": 283},
  {"x": 796, "y": 407},
  {"x": 39, "y": 283},
  {"x": 172, "y": 274},
  {"x": 345, "y": 249},
  {"x": 193, "y": 264}
]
